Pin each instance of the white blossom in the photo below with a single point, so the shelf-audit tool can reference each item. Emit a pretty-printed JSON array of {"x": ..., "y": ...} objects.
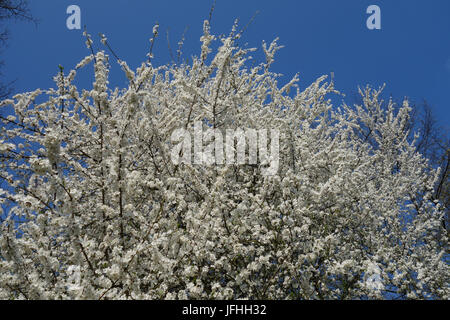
[{"x": 105, "y": 213}]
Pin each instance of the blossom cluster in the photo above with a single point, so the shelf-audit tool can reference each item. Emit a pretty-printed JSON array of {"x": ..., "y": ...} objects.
[{"x": 94, "y": 208}]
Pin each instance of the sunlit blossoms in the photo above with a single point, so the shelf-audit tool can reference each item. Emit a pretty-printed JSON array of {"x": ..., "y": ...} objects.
[{"x": 93, "y": 207}]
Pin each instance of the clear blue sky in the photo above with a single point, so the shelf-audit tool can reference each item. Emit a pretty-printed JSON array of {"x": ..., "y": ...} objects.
[{"x": 411, "y": 53}]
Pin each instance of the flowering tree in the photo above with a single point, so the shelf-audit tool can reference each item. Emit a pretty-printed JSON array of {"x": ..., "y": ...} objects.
[{"x": 94, "y": 206}]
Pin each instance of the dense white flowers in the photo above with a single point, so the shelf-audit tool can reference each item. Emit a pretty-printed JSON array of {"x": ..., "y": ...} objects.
[{"x": 94, "y": 208}]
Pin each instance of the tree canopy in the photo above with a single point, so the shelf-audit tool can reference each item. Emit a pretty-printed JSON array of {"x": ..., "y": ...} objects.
[{"x": 94, "y": 208}]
